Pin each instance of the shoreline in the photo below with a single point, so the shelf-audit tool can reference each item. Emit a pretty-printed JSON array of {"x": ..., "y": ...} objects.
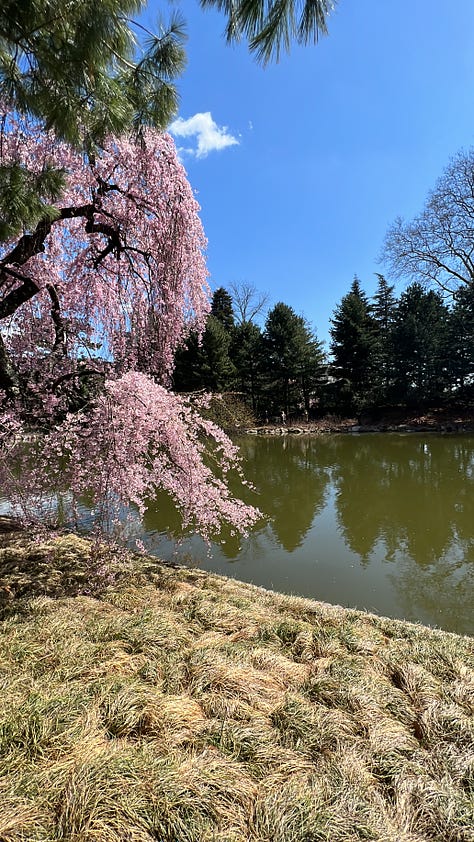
[
  {"x": 436, "y": 421},
  {"x": 72, "y": 556}
]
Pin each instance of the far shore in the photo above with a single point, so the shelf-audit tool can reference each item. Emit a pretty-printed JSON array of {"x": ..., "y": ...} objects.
[{"x": 393, "y": 421}]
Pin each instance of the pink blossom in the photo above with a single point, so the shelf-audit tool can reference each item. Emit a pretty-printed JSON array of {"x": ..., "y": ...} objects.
[{"x": 111, "y": 289}]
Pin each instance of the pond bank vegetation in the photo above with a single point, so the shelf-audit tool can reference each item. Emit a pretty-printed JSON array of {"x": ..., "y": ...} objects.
[
  {"x": 146, "y": 701},
  {"x": 440, "y": 420}
]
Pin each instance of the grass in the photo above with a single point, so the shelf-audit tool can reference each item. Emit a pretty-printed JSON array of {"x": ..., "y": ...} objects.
[{"x": 179, "y": 706}]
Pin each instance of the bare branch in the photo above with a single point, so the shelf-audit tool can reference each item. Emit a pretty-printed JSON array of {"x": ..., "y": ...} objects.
[
  {"x": 436, "y": 247},
  {"x": 248, "y": 301}
]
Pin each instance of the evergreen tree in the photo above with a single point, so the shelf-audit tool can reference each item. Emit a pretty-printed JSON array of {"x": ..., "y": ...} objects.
[
  {"x": 421, "y": 346},
  {"x": 270, "y": 25},
  {"x": 382, "y": 310},
  {"x": 461, "y": 344},
  {"x": 313, "y": 371},
  {"x": 222, "y": 309},
  {"x": 352, "y": 347},
  {"x": 204, "y": 362},
  {"x": 75, "y": 69},
  {"x": 187, "y": 371},
  {"x": 217, "y": 370},
  {"x": 293, "y": 360},
  {"x": 247, "y": 357}
]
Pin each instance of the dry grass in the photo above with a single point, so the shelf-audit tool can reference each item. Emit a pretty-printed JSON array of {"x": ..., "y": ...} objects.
[{"x": 179, "y": 706}]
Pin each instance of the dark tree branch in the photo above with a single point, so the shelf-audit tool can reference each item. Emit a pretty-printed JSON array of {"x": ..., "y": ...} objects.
[
  {"x": 18, "y": 296},
  {"x": 59, "y": 327},
  {"x": 30, "y": 245},
  {"x": 80, "y": 372}
]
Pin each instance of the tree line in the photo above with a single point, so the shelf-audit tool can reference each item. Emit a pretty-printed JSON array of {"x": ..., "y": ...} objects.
[
  {"x": 277, "y": 369},
  {"x": 411, "y": 351}
]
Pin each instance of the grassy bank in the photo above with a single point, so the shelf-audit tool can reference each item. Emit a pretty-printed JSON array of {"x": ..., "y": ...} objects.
[{"x": 180, "y": 706}]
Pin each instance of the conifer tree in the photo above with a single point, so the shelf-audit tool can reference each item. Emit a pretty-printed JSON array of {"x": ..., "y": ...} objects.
[
  {"x": 204, "y": 361},
  {"x": 461, "y": 344},
  {"x": 421, "y": 350},
  {"x": 293, "y": 360},
  {"x": 353, "y": 349},
  {"x": 247, "y": 356},
  {"x": 382, "y": 310},
  {"x": 270, "y": 25},
  {"x": 222, "y": 309},
  {"x": 80, "y": 70}
]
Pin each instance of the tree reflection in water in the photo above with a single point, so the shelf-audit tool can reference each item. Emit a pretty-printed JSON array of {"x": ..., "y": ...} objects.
[
  {"x": 410, "y": 501},
  {"x": 413, "y": 493},
  {"x": 291, "y": 480},
  {"x": 378, "y": 521}
]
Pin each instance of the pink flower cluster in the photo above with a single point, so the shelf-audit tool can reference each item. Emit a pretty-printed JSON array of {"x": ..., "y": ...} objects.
[{"x": 111, "y": 288}]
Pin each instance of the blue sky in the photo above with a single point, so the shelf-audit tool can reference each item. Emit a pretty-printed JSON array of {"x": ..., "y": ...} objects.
[{"x": 325, "y": 148}]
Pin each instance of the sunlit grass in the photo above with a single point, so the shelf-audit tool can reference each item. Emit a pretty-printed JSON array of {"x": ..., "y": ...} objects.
[{"x": 170, "y": 704}]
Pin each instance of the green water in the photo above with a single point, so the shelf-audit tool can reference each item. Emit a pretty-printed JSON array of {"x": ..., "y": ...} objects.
[{"x": 378, "y": 522}]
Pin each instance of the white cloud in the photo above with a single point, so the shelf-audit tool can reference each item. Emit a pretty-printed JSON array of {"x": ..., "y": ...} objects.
[{"x": 208, "y": 134}]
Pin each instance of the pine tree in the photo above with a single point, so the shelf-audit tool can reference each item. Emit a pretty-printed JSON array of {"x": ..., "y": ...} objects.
[
  {"x": 247, "y": 356},
  {"x": 217, "y": 370},
  {"x": 293, "y": 360},
  {"x": 204, "y": 362},
  {"x": 353, "y": 336},
  {"x": 382, "y": 310},
  {"x": 222, "y": 309},
  {"x": 461, "y": 344},
  {"x": 270, "y": 25},
  {"x": 421, "y": 347},
  {"x": 74, "y": 68}
]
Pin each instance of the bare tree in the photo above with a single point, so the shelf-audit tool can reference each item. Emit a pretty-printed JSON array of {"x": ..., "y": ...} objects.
[
  {"x": 438, "y": 245},
  {"x": 248, "y": 301}
]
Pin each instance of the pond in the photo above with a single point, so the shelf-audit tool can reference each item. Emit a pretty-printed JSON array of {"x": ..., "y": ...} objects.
[{"x": 382, "y": 522}]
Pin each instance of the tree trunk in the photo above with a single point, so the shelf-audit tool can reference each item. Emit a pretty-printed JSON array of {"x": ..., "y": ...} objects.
[{"x": 9, "y": 382}]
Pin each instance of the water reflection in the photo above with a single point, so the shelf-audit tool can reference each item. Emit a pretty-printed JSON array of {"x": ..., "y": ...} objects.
[
  {"x": 382, "y": 522},
  {"x": 441, "y": 593},
  {"x": 290, "y": 484},
  {"x": 415, "y": 494},
  {"x": 291, "y": 481}
]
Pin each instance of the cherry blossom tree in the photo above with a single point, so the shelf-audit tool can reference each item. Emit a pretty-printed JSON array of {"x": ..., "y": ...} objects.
[{"x": 94, "y": 301}]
